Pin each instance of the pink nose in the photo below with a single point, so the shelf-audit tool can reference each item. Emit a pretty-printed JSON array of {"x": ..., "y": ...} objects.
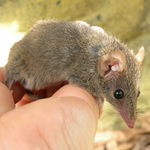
[
  {"x": 130, "y": 123},
  {"x": 125, "y": 116}
]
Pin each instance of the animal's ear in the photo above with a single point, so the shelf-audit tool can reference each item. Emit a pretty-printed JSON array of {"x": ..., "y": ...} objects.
[
  {"x": 111, "y": 63},
  {"x": 140, "y": 55}
]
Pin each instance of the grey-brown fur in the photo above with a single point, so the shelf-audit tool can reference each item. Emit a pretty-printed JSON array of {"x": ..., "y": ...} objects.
[{"x": 56, "y": 51}]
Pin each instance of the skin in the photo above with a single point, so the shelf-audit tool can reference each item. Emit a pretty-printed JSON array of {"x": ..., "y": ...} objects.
[{"x": 67, "y": 120}]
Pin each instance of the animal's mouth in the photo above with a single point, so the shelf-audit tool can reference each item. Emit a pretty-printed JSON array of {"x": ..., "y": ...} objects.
[{"x": 18, "y": 91}]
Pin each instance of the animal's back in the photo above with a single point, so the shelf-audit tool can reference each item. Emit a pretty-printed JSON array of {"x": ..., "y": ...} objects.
[{"x": 47, "y": 52}]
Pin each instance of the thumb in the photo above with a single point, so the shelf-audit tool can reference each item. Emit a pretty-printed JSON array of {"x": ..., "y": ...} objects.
[
  {"x": 67, "y": 119},
  {"x": 75, "y": 91},
  {"x": 6, "y": 99}
]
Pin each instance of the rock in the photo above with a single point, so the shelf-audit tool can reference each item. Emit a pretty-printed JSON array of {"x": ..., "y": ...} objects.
[{"x": 121, "y": 18}]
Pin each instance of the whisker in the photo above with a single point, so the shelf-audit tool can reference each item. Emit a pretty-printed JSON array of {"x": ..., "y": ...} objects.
[{"x": 140, "y": 111}]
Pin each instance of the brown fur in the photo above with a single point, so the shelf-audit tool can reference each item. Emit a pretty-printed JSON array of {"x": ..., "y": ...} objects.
[{"x": 55, "y": 51}]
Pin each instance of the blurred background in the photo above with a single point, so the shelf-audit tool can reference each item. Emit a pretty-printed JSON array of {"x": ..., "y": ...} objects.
[{"x": 129, "y": 20}]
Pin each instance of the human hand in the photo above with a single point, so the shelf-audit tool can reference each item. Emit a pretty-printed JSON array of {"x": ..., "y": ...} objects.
[{"x": 65, "y": 121}]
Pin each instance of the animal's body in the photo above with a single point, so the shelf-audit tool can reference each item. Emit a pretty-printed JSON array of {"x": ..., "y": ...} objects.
[{"x": 57, "y": 51}]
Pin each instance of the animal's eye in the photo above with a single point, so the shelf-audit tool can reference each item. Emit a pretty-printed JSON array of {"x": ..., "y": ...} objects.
[
  {"x": 118, "y": 94},
  {"x": 138, "y": 94}
]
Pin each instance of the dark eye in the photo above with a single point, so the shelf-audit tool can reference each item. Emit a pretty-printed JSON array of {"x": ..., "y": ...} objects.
[
  {"x": 118, "y": 94},
  {"x": 138, "y": 94}
]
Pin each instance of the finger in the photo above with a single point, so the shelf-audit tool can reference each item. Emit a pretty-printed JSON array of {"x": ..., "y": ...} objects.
[
  {"x": 17, "y": 90},
  {"x": 2, "y": 74},
  {"x": 6, "y": 99},
  {"x": 75, "y": 91},
  {"x": 57, "y": 121},
  {"x": 25, "y": 100}
]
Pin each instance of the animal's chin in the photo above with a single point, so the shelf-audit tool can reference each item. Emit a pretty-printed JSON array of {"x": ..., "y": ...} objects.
[{"x": 19, "y": 91}]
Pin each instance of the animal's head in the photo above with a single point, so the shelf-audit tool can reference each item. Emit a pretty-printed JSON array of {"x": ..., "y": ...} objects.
[{"x": 120, "y": 73}]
